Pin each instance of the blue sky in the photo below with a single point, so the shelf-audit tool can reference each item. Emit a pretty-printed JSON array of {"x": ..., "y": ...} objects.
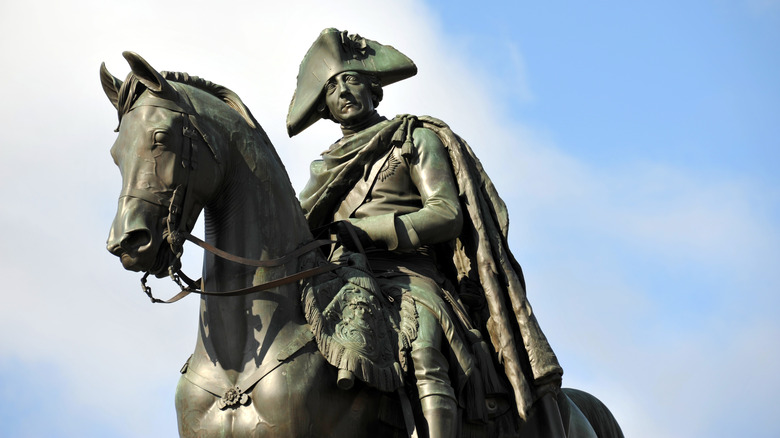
[
  {"x": 636, "y": 145},
  {"x": 680, "y": 82}
]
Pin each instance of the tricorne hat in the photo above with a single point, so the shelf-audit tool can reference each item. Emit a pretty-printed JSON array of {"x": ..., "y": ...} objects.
[{"x": 335, "y": 52}]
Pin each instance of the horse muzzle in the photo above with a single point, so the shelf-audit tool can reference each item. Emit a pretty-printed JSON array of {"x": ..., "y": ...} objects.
[
  {"x": 132, "y": 247},
  {"x": 136, "y": 236}
]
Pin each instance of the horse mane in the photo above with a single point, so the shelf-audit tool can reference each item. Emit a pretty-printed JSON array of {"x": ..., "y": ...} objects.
[
  {"x": 223, "y": 93},
  {"x": 132, "y": 88},
  {"x": 256, "y": 148}
]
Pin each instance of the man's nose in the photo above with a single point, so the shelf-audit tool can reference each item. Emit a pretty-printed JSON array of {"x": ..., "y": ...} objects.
[{"x": 342, "y": 88}]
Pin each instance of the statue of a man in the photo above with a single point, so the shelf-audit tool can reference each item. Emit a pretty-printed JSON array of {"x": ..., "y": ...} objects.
[{"x": 410, "y": 194}]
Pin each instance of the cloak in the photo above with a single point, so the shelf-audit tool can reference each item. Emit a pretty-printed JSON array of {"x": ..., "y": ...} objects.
[{"x": 487, "y": 277}]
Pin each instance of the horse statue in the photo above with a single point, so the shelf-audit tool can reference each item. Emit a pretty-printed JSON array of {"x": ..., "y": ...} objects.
[{"x": 185, "y": 145}]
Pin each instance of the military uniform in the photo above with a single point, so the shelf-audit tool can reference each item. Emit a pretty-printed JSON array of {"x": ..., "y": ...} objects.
[
  {"x": 407, "y": 184},
  {"x": 406, "y": 201}
]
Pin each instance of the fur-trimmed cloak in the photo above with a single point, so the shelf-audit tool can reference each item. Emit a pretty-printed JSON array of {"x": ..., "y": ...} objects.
[{"x": 488, "y": 278}]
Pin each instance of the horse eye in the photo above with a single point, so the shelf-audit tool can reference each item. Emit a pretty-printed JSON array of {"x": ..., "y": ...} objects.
[{"x": 160, "y": 137}]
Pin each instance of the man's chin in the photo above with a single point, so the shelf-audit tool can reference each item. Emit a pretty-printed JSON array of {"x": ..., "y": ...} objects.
[
  {"x": 356, "y": 119},
  {"x": 349, "y": 119}
]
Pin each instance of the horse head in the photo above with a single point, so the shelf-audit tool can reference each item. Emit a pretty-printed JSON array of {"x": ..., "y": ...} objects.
[{"x": 165, "y": 153}]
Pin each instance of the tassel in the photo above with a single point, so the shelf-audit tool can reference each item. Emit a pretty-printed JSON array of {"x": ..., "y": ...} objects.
[
  {"x": 492, "y": 384},
  {"x": 407, "y": 150},
  {"x": 473, "y": 397},
  {"x": 403, "y": 136}
]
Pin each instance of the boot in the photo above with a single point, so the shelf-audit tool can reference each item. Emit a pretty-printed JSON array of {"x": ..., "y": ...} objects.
[
  {"x": 441, "y": 416},
  {"x": 437, "y": 397}
]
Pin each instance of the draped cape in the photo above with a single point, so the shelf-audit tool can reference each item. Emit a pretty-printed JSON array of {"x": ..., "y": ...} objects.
[{"x": 487, "y": 276}]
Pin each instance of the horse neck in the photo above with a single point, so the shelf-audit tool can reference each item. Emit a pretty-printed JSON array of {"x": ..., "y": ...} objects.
[{"x": 254, "y": 215}]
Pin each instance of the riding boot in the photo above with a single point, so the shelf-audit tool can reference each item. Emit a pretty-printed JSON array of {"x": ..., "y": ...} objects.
[
  {"x": 436, "y": 394},
  {"x": 441, "y": 416}
]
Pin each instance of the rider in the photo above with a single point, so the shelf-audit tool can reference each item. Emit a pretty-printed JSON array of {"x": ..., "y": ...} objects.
[{"x": 390, "y": 188}]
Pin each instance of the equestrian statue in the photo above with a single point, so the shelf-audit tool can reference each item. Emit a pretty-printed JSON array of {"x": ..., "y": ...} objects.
[{"x": 385, "y": 303}]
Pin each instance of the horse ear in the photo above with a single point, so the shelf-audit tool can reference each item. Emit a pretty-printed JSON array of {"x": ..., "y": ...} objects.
[
  {"x": 111, "y": 85},
  {"x": 148, "y": 75}
]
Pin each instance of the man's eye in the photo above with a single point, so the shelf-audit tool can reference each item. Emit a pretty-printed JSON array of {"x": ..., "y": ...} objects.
[
  {"x": 330, "y": 87},
  {"x": 353, "y": 79}
]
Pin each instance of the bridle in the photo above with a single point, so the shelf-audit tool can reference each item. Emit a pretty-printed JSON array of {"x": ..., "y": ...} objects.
[{"x": 181, "y": 202}]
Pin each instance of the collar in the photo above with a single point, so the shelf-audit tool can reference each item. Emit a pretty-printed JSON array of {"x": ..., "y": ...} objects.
[{"x": 369, "y": 121}]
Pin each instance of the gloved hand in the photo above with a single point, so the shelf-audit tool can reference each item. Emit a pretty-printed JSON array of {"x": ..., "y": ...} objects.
[{"x": 351, "y": 237}]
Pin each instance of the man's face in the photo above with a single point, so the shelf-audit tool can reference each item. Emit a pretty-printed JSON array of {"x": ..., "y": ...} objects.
[{"x": 349, "y": 99}]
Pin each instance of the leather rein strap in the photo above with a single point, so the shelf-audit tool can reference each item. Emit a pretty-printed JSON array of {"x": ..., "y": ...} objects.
[{"x": 196, "y": 286}]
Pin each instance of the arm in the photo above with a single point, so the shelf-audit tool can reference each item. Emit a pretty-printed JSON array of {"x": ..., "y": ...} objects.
[{"x": 440, "y": 218}]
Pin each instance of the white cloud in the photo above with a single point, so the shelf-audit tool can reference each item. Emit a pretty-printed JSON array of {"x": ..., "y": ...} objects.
[{"x": 577, "y": 227}]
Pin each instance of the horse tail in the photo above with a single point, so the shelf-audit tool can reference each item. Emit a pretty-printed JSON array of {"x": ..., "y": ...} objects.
[{"x": 599, "y": 417}]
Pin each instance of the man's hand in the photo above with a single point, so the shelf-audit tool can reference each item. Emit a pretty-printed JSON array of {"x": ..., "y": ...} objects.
[{"x": 352, "y": 237}]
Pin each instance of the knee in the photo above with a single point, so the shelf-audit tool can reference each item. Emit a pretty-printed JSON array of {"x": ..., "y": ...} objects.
[
  {"x": 431, "y": 371},
  {"x": 429, "y": 331}
]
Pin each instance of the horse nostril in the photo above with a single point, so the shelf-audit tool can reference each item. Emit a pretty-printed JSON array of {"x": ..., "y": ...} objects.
[
  {"x": 132, "y": 241},
  {"x": 136, "y": 239}
]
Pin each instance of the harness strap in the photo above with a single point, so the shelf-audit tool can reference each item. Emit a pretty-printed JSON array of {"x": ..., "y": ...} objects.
[
  {"x": 258, "y": 263},
  {"x": 196, "y": 286},
  {"x": 211, "y": 386},
  {"x": 193, "y": 286},
  {"x": 237, "y": 395},
  {"x": 151, "y": 197}
]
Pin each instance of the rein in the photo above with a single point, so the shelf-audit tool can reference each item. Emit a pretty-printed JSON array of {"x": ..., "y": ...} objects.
[{"x": 196, "y": 286}]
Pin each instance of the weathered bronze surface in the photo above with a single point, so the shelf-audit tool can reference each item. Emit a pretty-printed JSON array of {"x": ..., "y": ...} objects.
[
  {"x": 186, "y": 133},
  {"x": 392, "y": 342}
]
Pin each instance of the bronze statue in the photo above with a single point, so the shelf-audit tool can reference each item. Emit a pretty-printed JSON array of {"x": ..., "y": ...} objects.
[{"x": 332, "y": 351}]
